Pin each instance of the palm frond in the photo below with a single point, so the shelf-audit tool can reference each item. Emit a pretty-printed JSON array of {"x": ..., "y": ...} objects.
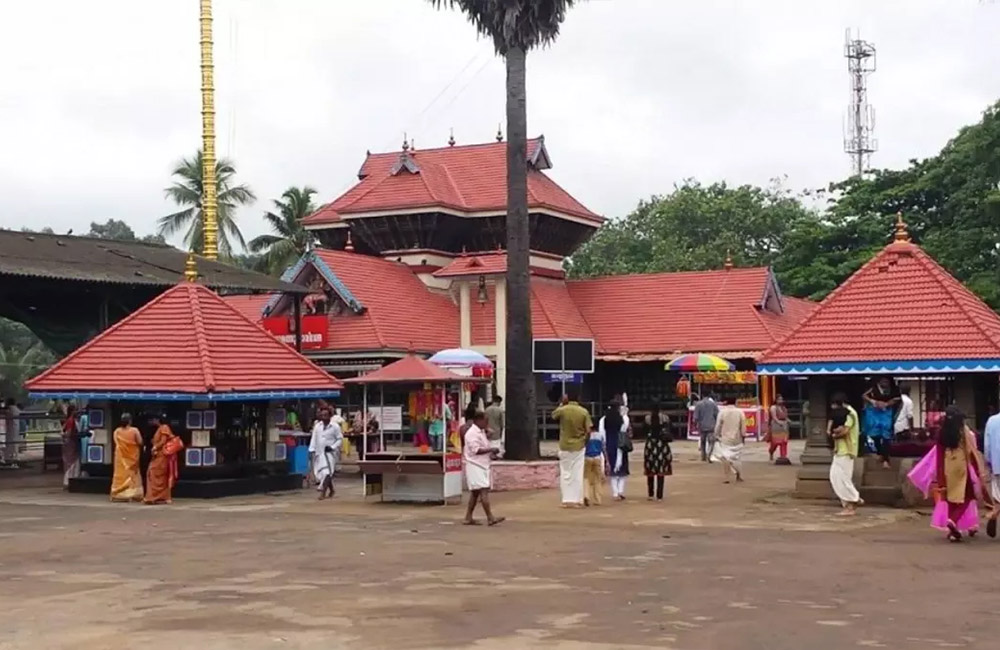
[
  {"x": 173, "y": 223},
  {"x": 261, "y": 243}
]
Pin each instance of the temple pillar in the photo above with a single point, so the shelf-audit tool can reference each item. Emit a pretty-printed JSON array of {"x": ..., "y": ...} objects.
[
  {"x": 500, "y": 291},
  {"x": 813, "y": 479},
  {"x": 464, "y": 315}
]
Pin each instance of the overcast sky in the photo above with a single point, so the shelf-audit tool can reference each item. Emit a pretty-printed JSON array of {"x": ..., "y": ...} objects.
[{"x": 99, "y": 98}]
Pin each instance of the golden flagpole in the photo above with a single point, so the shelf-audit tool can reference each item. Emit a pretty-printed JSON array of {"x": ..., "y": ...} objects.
[{"x": 209, "y": 208}]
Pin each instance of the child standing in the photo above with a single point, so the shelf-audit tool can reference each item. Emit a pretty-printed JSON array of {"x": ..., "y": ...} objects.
[{"x": 593, "y": 468}]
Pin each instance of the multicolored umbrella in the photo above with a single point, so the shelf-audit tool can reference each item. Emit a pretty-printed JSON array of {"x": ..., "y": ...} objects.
[{"x": 699, "y": 363}]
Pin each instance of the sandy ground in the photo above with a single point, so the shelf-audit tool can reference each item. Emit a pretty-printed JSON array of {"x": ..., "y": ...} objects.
[{"x": 714, "y": 566}]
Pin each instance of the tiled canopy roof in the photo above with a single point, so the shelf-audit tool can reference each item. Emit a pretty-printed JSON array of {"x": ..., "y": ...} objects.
[
  {"x": 899, "y": 312},
  {"x": 411, "y": 369},
  {"x": 467, "y": 179},
  {"x": 186, "y": 342}
]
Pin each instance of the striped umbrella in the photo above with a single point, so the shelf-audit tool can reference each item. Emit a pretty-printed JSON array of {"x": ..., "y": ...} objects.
[{"x": 699, "y": 363}]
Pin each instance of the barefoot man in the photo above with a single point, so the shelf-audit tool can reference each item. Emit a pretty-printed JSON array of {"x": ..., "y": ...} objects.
[
  {"x": 575, "y": 425},
  {"x": 478, "y": 474},
  {"x": 730, "y": 431},
  {"x": 845, "y": 450},
  {"x": 324, "y": 448},
  {"x": 991, "y": 443}
]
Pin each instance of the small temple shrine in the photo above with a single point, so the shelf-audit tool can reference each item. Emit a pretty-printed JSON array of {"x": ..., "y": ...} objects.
[
  {"x": 412, "y": 259},
  {"x": 225, "y": 385},
  {"x": 900, "y": 316}
]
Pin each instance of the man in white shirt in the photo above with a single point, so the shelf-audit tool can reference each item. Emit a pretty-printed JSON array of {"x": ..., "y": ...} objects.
[
  {"x": 324, "y": 449},
  {"x": 904, "y": 419}
]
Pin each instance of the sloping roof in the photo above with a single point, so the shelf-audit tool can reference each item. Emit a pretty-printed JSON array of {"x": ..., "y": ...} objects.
[
  {"x": 697, "y": 311},
  {"x": 554, "y": 315},
  {"x": 900, "y": 311},
  {"x": 467, "y": 179},
  {"x": 187, "y": 341},
  {"x": 90, "y": 259},
  {"x": 411, "y": 369},
  {"x": 400, "y": 313},
  {"x": 478, "y": 264}
]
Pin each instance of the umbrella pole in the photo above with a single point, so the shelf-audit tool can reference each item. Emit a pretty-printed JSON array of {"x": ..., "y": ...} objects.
[
  {"x": 381, "y": 412},
  {"x": 364, "y": 438}
]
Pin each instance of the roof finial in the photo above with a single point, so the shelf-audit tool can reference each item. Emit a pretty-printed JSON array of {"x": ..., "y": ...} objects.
[
  {"x": 499, "y": 133},
  {"x": 728, "y": 264},
  {"x": 901, "y": 232},
  {"x": 349, "y": 246},
  {"x": 451, "y": 138},
  {"x": 406, "y": 143},
  {"x": 191, "y": 268},
  {"x": 413, "y": 145}
]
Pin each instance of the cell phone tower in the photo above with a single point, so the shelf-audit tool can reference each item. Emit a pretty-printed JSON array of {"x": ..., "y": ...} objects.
[{"x": 859, "y": 130}]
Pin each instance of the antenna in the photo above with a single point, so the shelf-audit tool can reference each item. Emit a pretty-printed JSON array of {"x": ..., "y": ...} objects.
[{"x": 859, "y": 140}]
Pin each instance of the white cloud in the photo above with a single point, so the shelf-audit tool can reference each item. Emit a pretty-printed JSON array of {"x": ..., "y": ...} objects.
[{"x": 100, "y": 98}]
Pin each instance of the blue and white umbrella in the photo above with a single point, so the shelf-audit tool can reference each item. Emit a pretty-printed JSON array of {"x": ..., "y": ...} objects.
[{"x": 460, "y": 358}]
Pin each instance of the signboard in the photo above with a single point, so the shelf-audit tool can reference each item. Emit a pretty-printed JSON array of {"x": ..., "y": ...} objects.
[
  {"x": 564, "y": 378},
  {"x": 390, "y": 418},
  {"x": 452, "y": 462},
  {"x": 315, "y": 329},
  {"x": 745, "y": 377},
  {"x": 562, "y": 355}
]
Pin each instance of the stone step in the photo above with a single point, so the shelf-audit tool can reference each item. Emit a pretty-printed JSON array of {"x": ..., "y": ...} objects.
[
  {"x": 881, "y": 496},
  {"x": 873, "y": 462},
  {"x": 880, "y": 478}
]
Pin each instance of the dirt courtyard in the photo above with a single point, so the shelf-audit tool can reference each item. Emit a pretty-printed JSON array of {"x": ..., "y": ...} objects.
[{"x": 713, "y": 567}]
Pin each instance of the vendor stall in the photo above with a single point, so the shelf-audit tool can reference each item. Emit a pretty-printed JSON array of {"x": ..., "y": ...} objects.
[
  {"x": 422, "y": 475},
  {"x": 738, "y": 388}
]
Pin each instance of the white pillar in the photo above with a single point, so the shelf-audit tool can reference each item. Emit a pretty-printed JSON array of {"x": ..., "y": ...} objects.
[
  {"x": 464, "y": 315},
  {"x": 501, "y": 329}
]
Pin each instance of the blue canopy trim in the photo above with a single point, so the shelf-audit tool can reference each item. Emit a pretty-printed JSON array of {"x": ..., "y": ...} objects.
[
  {"x": 127, "y": 396},
  {"x": 938, "y": 366}
]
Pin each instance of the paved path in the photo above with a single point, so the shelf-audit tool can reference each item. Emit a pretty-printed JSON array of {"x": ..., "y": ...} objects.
[{"x": 714, "y": 567}]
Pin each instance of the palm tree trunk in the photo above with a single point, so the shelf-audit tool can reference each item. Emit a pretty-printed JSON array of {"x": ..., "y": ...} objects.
[{"x": 522, "y": 430}]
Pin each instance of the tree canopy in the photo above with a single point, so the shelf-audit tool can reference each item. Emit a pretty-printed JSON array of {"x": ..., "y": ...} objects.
[
  {"x": 289, "y": 239},
  {"x": 120, "y": 231}
]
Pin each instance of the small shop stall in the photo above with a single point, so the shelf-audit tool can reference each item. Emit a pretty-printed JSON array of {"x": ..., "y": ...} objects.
[
  {"x": 222, "y": 382},
  {"x": 709, "y": 373},
  {"x": 422, "y": 475}
]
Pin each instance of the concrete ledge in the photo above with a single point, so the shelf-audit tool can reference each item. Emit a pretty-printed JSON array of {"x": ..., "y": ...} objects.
[{"x": 511, "y": 475}]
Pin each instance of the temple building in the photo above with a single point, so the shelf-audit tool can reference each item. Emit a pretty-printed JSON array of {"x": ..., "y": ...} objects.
[
  {"x": 904, "y": 317},
  {"x": 411, "y": 258}
]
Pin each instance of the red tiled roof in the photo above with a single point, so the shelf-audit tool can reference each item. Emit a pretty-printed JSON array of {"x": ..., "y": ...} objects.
[
  {"x": 251, "y": 306},
  {"x": 411, "y": 369},
  {"x": 401, "y": 312},
  {"x": 476, "y": 264},
  {"x": 470, "y": 178},
  {"x": 698, "y": 311},
  {"x": 186, "y": 340},
  {"x": 554, "y": 315},
  {"x": 899, "y": 306}
]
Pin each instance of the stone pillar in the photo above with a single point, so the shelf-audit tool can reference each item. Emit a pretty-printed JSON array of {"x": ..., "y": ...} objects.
[
  {"x": 464, "y": 315},
  {"x": 500, "y": 293},
  {"x": 813, "y": 479}
]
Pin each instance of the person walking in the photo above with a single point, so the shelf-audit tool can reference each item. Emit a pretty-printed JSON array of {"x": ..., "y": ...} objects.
[
  {"x": 730, "y": 431},
  {"x": 593, "y": 469},
  {"x": 478, "y": 455},
  {"x": 777, "y": 429},
  {"x": 161, "y": 476},
  {"x": 324, "y": 447},
  {"x": 991, "y": 449},
  {"x": 126, "y": 481},
  {"x": 575, "y": 424},
  {"x": 845, "y": 450},
  {"x": 615, "y": 431},
  {"x": 706, "y": 414},
  {"x": 657, "y": 459}
]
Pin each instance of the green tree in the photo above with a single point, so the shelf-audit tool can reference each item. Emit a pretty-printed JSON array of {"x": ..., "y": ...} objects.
[
  {"x": 22, "y": 356},
  {"x": 120, "y": 231},
  {"x": 694, "y": 228},
  {"x": 187, "y": 193},
  {"x": 289, "y": 239},
  {"x": 515, "y": 27}
]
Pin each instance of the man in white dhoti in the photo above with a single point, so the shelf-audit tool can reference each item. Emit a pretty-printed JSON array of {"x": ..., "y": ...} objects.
[
  {"x": 575, "y": 425},
  {"x": 324, "y": 450},
  {"x": 478, "y": 456},
  {"x": 991, "y": 445},
  {"x": 730, "y": 430},
  {"x": 845, "y": 450}
]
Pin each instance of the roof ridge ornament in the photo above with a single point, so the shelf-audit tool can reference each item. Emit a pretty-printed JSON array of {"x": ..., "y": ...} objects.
[
  {"x": 191, "y": 268},
  {"x": 349, "y": 245},
  {"x": 902, "y": 234},
  {"x": 499, "y": 132},
  {"x": 451, "y": 137},
  {"x": 728, "y": 263}
]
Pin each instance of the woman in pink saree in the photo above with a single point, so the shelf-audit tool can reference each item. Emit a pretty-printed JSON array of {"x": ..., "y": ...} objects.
[{"x": 951, "y": 472}]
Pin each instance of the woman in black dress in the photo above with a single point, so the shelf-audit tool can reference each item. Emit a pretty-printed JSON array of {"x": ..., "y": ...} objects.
[{"x": 657, "y": 459}]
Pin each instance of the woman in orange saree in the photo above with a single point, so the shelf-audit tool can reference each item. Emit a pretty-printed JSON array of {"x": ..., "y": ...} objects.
[
  {"x": 126, "y": 483},
  {"x": 162, "y": 472}
]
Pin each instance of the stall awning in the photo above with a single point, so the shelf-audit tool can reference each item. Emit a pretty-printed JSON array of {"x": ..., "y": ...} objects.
[
  {"x": 411, "y": 369},
  {"x": 896, "y": 367}
]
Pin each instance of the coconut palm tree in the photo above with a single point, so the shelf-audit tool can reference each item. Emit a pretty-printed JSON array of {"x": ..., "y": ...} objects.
[
  {"x": 186, "y": 192},
  {"x": 290, "y": 240},
  {"x": 18, "y": 365},
  {"x": 516, "y": 26}
]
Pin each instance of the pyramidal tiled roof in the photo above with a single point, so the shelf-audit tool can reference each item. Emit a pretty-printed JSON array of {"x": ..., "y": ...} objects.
[
  {"x": 187, "y": 341},
  {"x": 899, "y": 312}
]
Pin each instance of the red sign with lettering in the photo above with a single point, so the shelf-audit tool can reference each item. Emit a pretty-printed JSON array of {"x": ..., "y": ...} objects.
[
  {"x": 314, "y": 330},
  {"x": 452, "y": 462}
]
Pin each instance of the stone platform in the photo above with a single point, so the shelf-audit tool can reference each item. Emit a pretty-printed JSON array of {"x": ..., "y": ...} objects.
[{"x": 509, "y": 475}]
